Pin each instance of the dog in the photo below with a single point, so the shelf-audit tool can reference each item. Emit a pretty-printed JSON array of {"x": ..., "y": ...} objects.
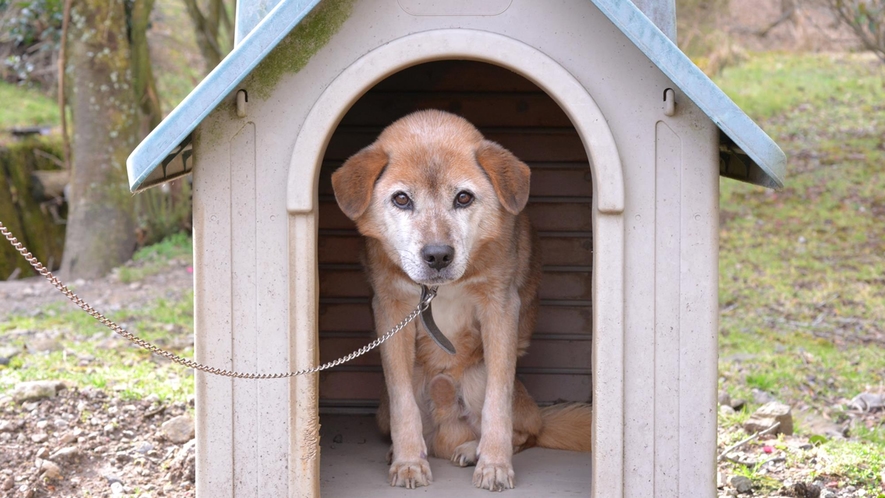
[{"x": 442, "y": 206}]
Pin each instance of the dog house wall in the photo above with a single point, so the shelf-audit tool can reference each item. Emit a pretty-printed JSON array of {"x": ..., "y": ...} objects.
[{"x": 250, "y": 295}]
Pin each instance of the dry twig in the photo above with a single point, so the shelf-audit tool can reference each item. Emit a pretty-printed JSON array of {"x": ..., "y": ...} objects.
[{"x": 744, "y": 441}]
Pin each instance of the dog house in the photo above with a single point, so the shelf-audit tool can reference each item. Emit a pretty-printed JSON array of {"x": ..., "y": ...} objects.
[{"x": 626, "y": 140}]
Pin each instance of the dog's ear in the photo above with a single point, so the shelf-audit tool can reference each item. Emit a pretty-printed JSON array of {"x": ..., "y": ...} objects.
[
  {"x": 354, "y": 180},
  {"x": 510, "y": 177}
]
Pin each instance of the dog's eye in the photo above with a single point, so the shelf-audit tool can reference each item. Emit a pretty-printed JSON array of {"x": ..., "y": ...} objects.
[
  {"x": 463, "y": 199},
  {"x": 402, "y": 200}
]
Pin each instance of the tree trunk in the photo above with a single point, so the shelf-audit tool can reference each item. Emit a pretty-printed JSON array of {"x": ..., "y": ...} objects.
[
  {"x": 142, "y": 69},
  {"x": 101, "y": 222},
  {"x": 206, "y": 29}
]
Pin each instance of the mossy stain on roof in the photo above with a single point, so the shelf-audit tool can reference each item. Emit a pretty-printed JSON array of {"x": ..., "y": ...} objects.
[{"x": 297, "y": 48}]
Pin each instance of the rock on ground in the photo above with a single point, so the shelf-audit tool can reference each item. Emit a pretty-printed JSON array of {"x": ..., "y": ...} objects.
[
  {"x": 36, "y": 390},
  {"x": 179, "y": 429},
  {"x": 769, "y": 414}
]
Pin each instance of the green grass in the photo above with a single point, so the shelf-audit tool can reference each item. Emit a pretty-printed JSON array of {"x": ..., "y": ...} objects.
[
  {"x": 772, "y": 83},
  {"x": 26, "y": 107},
  {"x": 152, "y": 259},
  {"x": 802, "y": 271},
  {"x": 115, "y": 363}
]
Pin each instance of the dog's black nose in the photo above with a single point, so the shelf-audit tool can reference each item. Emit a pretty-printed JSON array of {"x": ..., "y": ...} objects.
[{"x": 438, "y": 256}]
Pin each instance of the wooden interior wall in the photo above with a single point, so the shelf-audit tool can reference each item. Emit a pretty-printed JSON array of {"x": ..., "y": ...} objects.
[{"x": 514, "y": 112}]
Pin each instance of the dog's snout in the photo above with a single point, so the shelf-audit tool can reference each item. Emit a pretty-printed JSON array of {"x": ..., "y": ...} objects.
[{"x": 438, "y": 256}]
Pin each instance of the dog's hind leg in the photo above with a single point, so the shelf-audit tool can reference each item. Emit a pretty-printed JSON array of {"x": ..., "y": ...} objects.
[{"x": 446, "y": 411}]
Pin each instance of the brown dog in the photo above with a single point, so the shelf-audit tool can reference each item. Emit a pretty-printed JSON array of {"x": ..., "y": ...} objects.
[{"x": 441, "y": 206}]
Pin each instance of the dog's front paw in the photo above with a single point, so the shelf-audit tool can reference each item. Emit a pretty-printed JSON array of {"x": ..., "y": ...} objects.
[
  {"x": 465, "y": 454},
  {"x": 410, "y": 473},
  {"x": 494, "y": 476}
]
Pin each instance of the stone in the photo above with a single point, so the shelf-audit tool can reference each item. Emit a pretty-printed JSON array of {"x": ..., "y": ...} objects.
[
  {"x": 762, "y": 397},
  {"x": 7, "y": 354},
  {"x": 724, "y": 398},
  {"x": 66, "y": 454},
  {"x": 67, "y": 438},
  {"x": 742, "y": 484},
  {"x": 40, "y": 437},
  {"x": 867, "y": 402},
  {"x": 828, "y": 493},
  {"x": 117, "y": 488},
  {"x": 767, "y": 415},
  {"x": 8, "y": 483},
  {"x": 178, "y": 429},
  {"x": 36, "y": 390},
  {"x": 738, "y": 404},
  {"x": 50, "y": 469},
  {"x": 43, "y": 344},
  {"x": 726, "y": 410},
  {"x": 144, "y": 447},
  {"x": 182, "y": 468},
  {"x": 11, "y": 425}
]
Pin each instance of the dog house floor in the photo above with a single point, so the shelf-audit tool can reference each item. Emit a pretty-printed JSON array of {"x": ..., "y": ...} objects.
[{"x": 353, "y": 463}]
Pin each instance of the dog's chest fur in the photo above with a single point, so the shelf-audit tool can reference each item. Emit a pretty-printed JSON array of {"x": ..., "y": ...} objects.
[{"x": 454, "y": 310}]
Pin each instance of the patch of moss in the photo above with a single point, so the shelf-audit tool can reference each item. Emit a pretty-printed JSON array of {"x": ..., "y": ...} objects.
[
  {"x": 33, "y": 222},
  {"x": 296, "y": 49}
]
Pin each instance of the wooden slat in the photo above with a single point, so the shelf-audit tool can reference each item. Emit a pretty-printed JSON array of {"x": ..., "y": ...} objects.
[
  {"x": 352, "y": 386},
  {"x": 566, "y": 251},
  {"x": 573, "y": 216},
  {"x": 529, "y": 144},
  {"x": 567, "y": 354},
  {"x": 551, "y": 319},
  {"x": 547, "y": 389},
  {"x": 564, "y": 320},
  {"x": 445, "y": 76},
  {"x": 565, "y": 286},
  {"x": 510, "y": 109},
  {"x": 547, "y": 182},
  {"x": 345, "y": 249},
  {"x": 353, "y": 317},
  {"x": 560, "y": 216},
  {"x": 554, "y": 285}
]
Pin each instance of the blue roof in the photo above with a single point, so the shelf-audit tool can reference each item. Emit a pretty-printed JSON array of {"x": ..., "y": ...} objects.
[{"x": 746, "y": 152}]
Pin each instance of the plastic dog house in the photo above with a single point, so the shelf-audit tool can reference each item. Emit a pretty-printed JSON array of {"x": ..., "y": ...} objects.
[{"x": 626, "y": 139}]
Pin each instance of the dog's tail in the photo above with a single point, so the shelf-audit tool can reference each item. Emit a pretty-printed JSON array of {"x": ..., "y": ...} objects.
[{"x": 566, "y": 427}]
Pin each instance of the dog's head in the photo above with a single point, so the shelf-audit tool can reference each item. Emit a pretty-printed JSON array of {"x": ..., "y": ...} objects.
[{"x": 432, "y": 190}]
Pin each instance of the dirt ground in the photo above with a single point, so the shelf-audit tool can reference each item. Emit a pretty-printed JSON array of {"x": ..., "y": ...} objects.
[{"x": 71, "y": 441}]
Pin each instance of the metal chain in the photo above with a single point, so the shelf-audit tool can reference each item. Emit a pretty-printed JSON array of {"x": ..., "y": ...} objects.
[{"x": 42, "y": 270}]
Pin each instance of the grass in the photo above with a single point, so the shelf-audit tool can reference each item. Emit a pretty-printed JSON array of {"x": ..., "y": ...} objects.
[
  {"x": 89, "y": 354},
  {"x": 28, "y": 107},
  {"x": 802, "y": 271},
  {"x": 152, "y": 259}
]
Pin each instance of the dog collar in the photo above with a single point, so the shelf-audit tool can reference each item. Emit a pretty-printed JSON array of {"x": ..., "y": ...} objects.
[{"x": 430, "y": 326}]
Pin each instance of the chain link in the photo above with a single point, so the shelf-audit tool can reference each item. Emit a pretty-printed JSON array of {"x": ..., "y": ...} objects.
[{"x": 42, "y": 270}]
